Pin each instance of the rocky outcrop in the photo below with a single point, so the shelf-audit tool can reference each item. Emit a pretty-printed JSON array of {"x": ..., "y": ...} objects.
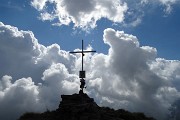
[{"x": 82, "y": 107}]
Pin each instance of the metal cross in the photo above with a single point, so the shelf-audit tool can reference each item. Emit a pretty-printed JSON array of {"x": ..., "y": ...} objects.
[{"x": 82, "y": 73}]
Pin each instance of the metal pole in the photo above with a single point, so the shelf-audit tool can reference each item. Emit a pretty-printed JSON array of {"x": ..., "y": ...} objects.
[{"x": 82, "y": 54}]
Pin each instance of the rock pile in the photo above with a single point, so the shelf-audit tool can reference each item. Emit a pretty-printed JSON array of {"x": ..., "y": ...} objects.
[{"x": 82, "y": 107}]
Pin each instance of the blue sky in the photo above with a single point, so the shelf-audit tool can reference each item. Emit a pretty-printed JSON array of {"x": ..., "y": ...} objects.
[
  {"x": 157, "y": 28},
  {"x": 136, "y": 67}
]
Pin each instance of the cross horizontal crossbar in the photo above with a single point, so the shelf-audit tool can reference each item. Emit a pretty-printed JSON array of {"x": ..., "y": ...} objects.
[{"x": 82, "y": 51}]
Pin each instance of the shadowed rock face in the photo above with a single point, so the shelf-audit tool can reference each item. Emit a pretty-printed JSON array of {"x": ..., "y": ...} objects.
[{"x": 81, "y": 107}]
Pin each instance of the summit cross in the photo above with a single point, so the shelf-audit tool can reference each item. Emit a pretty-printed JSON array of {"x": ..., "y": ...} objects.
[{"x": 82, "y": 72}]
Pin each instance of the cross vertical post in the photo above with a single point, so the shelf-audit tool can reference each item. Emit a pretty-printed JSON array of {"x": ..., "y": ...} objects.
[
  {"x": 82, "y": 72},
  {"x": 82, "y": 53}
]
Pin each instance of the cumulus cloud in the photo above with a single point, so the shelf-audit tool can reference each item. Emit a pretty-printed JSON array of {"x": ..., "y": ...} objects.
[
  {"x": 31, "y": 73},
  {"x": 130, "y": 76},
  {"x": 82, "y": 13},
  {"x": 18, "y": 97}
]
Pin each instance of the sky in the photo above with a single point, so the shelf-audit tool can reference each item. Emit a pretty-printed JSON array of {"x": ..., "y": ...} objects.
[{"x": 136, "y": 66}]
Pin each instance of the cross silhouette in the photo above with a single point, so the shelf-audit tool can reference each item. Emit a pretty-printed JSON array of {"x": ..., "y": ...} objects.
[{"x": 82, "y": 73}]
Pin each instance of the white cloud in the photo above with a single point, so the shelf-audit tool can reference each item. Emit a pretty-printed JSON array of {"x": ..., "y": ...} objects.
[
  {"x": 39, "y": 4},
  {"x": 33, "y": 72},
  {"x": 127, "y": 78},
  {"x": 18, "y": 97},
  {"x": 130, "y": 76},
  {"x": 83, "y": 13}
]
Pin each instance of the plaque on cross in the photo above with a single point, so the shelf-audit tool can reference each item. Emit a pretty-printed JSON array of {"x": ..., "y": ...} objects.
[{"x": 82, "y": 73}]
